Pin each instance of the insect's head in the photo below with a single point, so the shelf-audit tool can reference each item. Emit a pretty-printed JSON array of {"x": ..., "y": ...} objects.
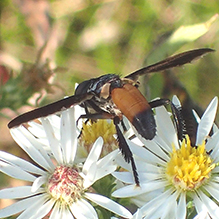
[{"x": 100, "y": 86}]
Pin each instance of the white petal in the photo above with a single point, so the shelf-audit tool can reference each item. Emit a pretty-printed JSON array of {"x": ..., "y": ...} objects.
[
  {"x": 101, "y": 172},
  {"x": 109, "y": 204},
  {"x": 167, "y": 211},
  {"x": 56, "y": 211},
  {"x": 108, "y": 159},
  {"x": 196, "y": 116},
  {"x": 165, "y": 126},
  {"x": 25, "y": 143},
  {"x": 89, "y": 177},
  {"x": 18, "y": 206},
  {"x": 212, "y": 190},
  {"x": 199, "y": 205},
  {"x": 68, "y": 135},
  {"x": 37, "y": 130},
  {"x": 93, "y": 155},
  {"x": 46, "y": 162},
  {"x": 211, "y": 206},
  {"x": 53, "y": 141},
  {"x": 38, "y": 182},
  {"x": 61, "y": 211},
  {"x": 125, "y": 177},
  {"x": 43, "y": 209},
  {"x": 152, "y": 154},
  {"x": 213, "y": 144},
  {"x": 66, "y": 214},
  {"x": 142, "y": 166},
  {"x": 181, "y": 207},
  {"x": 153, "y": 205},
  {"x": 23, "y": 164},
  {"x": 133, "y": 190},
  {"x": 214, "y": 183},
  {"x": 176, "y": 101},
  {"x": 32, "y": 210},
  {"x": 202, "y": 215},
  {"x": 17, "y": 192},
  {"x": 207, "y": 121},
  {"x": 15, "y": 172},
  {"x": 138, "y": 215},
  {"x": 83, "y": 210}
]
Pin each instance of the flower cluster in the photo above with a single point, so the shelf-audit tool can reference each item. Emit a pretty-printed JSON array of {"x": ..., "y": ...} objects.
[{"x": 177, "y": 179}]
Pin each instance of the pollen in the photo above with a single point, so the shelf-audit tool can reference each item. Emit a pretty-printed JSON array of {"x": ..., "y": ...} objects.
[
  {"x": 189, "y": 167},
  {"x": 92, "y": 130},
  {"x": 65, "y": 185}
]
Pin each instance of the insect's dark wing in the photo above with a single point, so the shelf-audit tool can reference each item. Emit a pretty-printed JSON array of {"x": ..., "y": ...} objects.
[
  {"x": 173, "y": 61},
  {"x": 49, "y": 109}
]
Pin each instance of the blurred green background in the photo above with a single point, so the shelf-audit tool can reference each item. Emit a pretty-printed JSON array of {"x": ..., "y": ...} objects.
[{"x": 48, "y": 46}]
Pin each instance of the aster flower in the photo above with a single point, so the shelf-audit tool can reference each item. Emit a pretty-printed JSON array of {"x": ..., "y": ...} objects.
[
  {"x": 176, "y": 179},
  {"x": 59, "y": 186}
]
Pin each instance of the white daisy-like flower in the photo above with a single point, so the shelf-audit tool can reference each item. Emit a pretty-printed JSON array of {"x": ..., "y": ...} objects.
[
  {"x": 176, "y": 179},
  {"x": 60, "y": 187}
]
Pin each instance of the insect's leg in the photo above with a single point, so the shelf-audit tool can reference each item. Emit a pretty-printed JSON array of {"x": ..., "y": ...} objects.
[
  {"x": 95, "y": 116},
  {"x": 177, "y": 115},
  {"x": 126, "y": 152}
]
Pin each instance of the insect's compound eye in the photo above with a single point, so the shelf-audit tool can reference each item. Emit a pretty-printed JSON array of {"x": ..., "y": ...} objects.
[{"x": 83, "y": 87}]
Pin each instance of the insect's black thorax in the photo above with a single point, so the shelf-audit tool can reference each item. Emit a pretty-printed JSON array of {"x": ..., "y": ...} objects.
[{"x": 101, "y": 88}]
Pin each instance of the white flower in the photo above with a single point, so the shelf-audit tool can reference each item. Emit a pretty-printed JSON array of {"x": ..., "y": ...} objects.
[
  {"x": 60, "y": 185},
  {"x": 174, "y": 176}
]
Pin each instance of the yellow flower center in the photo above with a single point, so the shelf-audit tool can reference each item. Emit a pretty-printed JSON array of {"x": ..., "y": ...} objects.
[
  {"x": 189, "y": 166},
  {"x": 92, "y": 130}
]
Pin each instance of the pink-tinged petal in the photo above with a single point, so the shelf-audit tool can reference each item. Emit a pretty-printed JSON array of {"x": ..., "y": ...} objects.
[
  {"x": 16, "y": 172},
  {"x": 108, "y": 204},
  {"x": 207, "y": 120},
  {"x": 68, "y": 135},
  {"x": 83, "y": 210}
]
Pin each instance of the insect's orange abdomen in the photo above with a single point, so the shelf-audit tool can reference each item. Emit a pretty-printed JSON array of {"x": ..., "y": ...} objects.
[{"x": 135, "y": 107}]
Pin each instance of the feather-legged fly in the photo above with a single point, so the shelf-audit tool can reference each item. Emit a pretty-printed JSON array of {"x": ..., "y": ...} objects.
[{"x": 111, "y": 97}]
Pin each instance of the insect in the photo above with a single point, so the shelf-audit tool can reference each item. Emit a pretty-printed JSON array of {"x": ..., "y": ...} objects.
[{"x": 111, "y": 97}]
